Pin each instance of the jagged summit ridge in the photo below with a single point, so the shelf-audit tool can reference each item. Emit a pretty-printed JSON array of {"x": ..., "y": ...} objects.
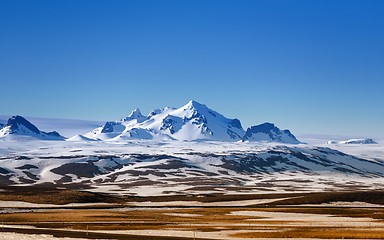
[
  {"x": 135, "y": 114},
  {"x": 192, "y": 122},
  {"x": 18, "y": 125}
]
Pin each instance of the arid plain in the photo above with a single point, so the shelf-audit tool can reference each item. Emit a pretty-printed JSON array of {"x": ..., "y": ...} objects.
[{"x": 337, "y": 215}]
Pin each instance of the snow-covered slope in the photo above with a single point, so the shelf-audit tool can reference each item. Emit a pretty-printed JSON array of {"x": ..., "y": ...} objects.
[
  {"x": 80, "y": 138},
  {"x": 142, "y": 167},
  {"x": 19, "y": 126},
  {"x": 354, "y": 141},
  {"x": 193, "y": 121},
  {"x": 268, "y": 132}
]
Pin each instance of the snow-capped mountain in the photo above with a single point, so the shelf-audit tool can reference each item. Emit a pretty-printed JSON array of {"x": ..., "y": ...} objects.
[
  {"x": 19, "y": 126},
  {"x": 354, "y": 141},
  {"x": 191, "y": 122},
  {"x": 268, "y": 132}
]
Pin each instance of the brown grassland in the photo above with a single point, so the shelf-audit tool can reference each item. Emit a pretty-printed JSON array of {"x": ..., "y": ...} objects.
[{"x": 122, "y": 215}]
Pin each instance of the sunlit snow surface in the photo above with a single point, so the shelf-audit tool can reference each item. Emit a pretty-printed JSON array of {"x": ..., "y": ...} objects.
[{"x": 146, "y": 167}]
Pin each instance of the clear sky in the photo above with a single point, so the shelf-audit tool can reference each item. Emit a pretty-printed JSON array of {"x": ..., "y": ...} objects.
[{"x": 310, "y": 66}]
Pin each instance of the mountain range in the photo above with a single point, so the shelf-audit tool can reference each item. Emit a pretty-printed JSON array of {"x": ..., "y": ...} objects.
[{"x": 191, "y": 122}]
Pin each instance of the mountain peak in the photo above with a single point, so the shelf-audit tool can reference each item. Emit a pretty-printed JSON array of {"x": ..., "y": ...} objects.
[
  {"x": 15, "y": 121},
  {"x": 135, "y": 114},
  {"x": 194, "y": 104},
  {"x": 18, "y": 125}
]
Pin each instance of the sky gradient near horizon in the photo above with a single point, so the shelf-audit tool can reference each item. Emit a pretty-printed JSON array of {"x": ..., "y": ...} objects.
[{"x": 310, "y": 66}]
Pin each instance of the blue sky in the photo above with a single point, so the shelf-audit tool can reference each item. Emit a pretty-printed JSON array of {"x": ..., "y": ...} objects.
[{"x": 310, "y": 66}]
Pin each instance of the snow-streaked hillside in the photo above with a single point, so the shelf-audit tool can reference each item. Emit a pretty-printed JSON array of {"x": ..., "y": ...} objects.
[{"x": 147, "y": 167}]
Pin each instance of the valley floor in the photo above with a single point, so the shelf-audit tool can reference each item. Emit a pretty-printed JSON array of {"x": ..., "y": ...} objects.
[{"x": 339, "y": 215}]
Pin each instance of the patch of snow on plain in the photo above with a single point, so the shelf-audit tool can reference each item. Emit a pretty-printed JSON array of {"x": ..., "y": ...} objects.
[
  {"x": 207, "y": 204},
  {"x": 21, "y": 204},
  {"x": 346, "y": 204},
  {"x": 20, "y": 236}
]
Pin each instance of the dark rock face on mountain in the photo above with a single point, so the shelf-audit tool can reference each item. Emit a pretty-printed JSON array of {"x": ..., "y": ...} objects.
[
  {"x": 108, "y": 127},
  {"x": 268, "y": 132},
  {"x": 15, "y": 124}
]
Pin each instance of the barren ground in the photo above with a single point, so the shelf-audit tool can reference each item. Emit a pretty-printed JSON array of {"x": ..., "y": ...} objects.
[{"x": 353, "y": 215}]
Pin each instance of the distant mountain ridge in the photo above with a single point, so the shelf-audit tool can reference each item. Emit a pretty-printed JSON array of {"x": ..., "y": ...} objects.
[
  {"x": 192, "y": 122},
  {"x": 354, "y": 141}
]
